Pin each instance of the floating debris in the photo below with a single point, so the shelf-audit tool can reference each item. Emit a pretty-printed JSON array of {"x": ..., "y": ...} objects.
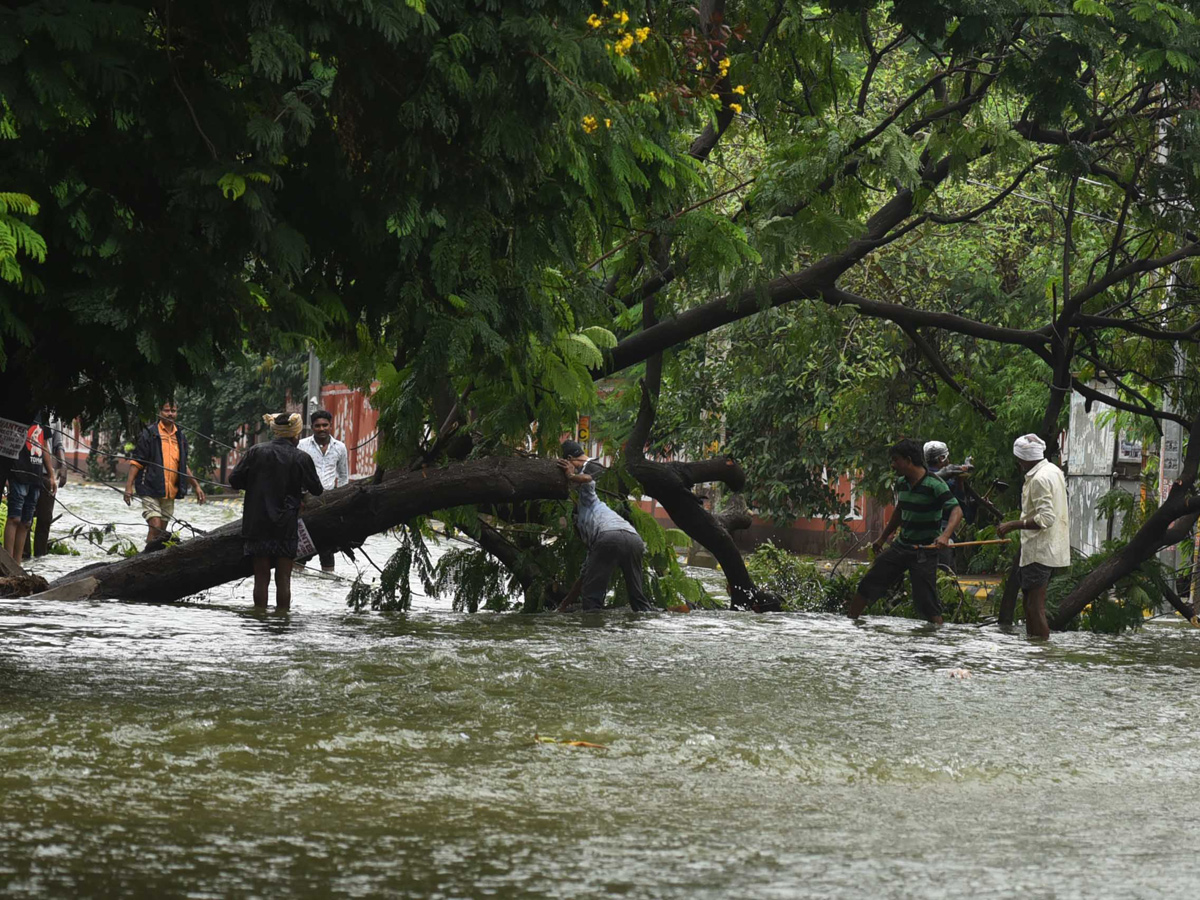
[{"x": 542, "y": 739}]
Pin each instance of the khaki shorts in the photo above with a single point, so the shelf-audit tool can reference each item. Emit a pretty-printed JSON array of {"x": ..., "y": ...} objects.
[{"x": 158, "y": 508}]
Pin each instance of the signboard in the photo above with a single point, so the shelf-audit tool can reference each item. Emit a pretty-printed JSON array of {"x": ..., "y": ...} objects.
[
  {"x": 585, "y": 429},
  {"x": 1170, "y": 457},
  {"x": 12, "y": 437},
  {"x": 304, "y": 544},
  {"x": 1129, "y": 450}
]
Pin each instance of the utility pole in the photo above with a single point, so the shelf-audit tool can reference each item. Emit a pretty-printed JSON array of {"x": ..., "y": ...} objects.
[{"x": 313, "y": 401}]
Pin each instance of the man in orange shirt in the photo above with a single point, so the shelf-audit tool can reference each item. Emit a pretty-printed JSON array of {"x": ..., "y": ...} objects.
[{"x": 160, "y": 472}]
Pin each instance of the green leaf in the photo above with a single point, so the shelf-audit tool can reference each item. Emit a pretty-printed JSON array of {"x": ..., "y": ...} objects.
[{"x": 232, "y": 186}]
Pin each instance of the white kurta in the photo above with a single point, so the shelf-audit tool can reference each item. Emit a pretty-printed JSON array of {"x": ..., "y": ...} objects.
[{"x": 1044, "y": 501}]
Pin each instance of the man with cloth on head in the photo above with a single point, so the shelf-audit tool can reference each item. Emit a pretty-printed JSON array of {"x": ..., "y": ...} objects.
[
  {"x": 160, "y": 471},
  {"x": 1046, "y": 536},
  {"x": 611, "y": 541},
  {"x": 332, "y": 461},
  {"x": 922, "y": 502},
  {"x": 274, "y": 475},
  {"x": 937, "y": 461}
]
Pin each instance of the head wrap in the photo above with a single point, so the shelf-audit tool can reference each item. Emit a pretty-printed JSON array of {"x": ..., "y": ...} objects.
[
  {"x": 572, "y": 449},
  {"x": 284, "y": 425},
  {"x": 935, "y": 450},
  {"x": 1029, "y": 447}
]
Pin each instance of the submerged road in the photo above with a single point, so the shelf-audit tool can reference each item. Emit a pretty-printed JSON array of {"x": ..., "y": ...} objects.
[{"x": 202, "y": 751}]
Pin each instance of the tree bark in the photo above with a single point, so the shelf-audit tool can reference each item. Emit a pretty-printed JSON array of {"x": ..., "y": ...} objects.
[
  {"x": 336, "y": 520},
  {"x": 671, "y": 485}
]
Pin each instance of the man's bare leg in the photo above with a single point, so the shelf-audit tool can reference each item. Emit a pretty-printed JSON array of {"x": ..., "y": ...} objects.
[
  {"x": 20, "y": 531},
  {"x": 262, "y": 580},
  {"x": 10, "y": 535},
  {"x": 857, "y": 604},
  {"x": 283, "y": 583},
  {"x": 158, "y": 530},
  {"x": 1035, "y": 613}
]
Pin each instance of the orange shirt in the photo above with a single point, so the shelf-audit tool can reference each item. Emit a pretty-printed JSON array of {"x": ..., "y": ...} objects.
[{"x": 170, "y": 453}]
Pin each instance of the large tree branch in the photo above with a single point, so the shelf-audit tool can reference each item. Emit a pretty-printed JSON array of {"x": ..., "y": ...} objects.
[{"x": 939, "y": 366}]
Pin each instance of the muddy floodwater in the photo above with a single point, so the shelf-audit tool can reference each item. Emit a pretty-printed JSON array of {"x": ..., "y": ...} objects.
[{"x": 201, "y": 751}]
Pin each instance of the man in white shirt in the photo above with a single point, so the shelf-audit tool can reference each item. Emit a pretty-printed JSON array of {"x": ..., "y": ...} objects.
[
  {"x": 1045, "y": 541},
  {"x": 331, "y": 459}
]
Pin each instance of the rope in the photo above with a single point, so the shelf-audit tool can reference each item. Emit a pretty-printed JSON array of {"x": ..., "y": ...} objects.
[
  {"x": 113, "y": 487},
  {"x": 112, "y": 455}
]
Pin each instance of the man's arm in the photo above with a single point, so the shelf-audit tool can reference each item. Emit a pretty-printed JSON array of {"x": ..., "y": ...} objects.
[
  {"x": 136, "y": 462},
  {"x": 237, "y": 478},
  {"x": 892, "y": 525},
  {"x": 343, "y": 467},
  {"x": 1042, "y": 501},
  {"x": 48, "y": 464},
  {"x": 956, "y": 515},
  {"x": 195, "y": 485}
]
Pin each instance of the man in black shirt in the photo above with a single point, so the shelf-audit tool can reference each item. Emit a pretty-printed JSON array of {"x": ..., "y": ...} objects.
[{"x": 274, "y": 475}]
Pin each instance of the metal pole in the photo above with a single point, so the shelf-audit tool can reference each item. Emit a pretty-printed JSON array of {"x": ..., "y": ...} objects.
[{"x": 313, "y": 401}]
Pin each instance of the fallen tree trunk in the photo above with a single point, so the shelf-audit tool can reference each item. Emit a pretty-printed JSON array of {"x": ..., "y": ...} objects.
[
  {"x": 338, "y": 520},
  {"x": 1168, "y": 525}
]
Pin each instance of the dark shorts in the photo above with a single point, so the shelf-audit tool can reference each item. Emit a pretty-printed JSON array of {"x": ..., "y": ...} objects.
[
  {"x": 277, "y": 548},
  {"x": 22, "y": 500},
  {"x": 890, "y": 566},
  {"x": 1034, "y": 575}
]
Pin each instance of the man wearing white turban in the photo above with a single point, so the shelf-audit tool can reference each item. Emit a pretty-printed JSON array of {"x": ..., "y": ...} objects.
[
  {"x": 1045, "y": 538},
  {"x": 274, "y": 475}
]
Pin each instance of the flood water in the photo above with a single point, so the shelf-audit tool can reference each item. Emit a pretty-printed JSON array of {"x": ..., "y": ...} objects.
[{"x": 201, "y": 751}]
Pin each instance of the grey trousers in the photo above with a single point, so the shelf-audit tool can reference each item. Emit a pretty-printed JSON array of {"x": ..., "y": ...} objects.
[{"x": 612, "y": 549}]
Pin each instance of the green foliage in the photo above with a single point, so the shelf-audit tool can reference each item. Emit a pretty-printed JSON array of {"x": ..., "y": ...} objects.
[
  {"x": 797, "y": 580},
  {"x": 394, "y": 590},
  {"x": 472, "y": 578},
  {"x": 237, "y": 395},
  {"x": 61, "y": 548},
  {"x": 1126, "y": 606}
]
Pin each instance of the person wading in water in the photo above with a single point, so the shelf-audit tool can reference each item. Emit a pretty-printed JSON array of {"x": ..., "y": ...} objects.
[
  {"x": 274, "y": 475},
  {"x": 159, "y": 471},
  {"x": 611, "y": 541},
  {"x": 1045, "y": 531},
  {"x": 923, "y": 500}
]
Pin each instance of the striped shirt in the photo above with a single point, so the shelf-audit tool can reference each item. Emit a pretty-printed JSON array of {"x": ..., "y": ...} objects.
[{"x": 922, "y": 509}]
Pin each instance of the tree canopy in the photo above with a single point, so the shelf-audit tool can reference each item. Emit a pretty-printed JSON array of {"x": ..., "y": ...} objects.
[{"x": 803, "y": 229}]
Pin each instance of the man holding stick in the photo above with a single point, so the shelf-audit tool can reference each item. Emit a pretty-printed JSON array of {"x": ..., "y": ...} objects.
[
  {"x": 922, "y": 502},
  {"x": 1045, "y": 534}
]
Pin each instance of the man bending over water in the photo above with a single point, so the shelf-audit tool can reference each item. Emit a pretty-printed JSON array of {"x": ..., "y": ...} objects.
[
  {"x": 610, "y": 539},
  {"x": 922, "y": 500},
  {"x": 274, "y": 475}
]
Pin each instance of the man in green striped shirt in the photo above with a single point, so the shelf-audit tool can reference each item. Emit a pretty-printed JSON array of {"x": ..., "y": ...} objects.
[{"x": 921, "y": 501}]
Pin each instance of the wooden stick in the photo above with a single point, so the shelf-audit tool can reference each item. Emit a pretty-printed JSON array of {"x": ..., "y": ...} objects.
[{"x": 968, "y": 544}]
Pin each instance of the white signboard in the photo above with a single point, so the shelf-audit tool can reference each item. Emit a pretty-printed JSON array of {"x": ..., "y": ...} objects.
[
  {"x": 304, "y": 546},
  {"x": 12, "y": 437}
]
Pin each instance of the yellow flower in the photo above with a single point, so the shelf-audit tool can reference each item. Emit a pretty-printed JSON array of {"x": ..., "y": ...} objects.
[
  {"x": 622, "y": 46},
  {"x": 594, "y": 20},
  {"x": 604, "y": 2},
  {"x": 715, "y": 96},
  {"x": 652, "y": 96},
  {"x": 621, "y": 18},
  {"x": 699, "y": 65},
  {"x": 740, "y": 89},
  {"x": 736, "y": 107},
  {"x": 590, "y": 124},
  {"x": 642, "y": 34},
  {"x": 723, "y": 65}
]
